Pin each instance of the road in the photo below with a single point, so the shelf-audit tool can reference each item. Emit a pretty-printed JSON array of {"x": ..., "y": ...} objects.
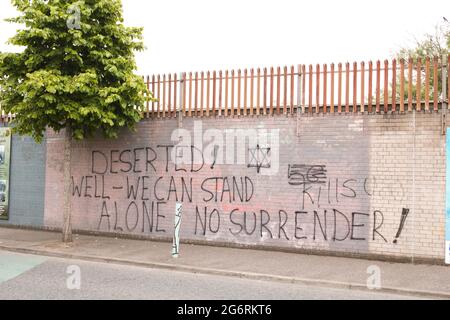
[{"x": 37, "y": 277}]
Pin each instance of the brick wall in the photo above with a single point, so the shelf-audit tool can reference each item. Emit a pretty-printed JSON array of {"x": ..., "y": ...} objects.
[
  {"x": 27, "y": 183},
  {"x": 336, "y": 183}
]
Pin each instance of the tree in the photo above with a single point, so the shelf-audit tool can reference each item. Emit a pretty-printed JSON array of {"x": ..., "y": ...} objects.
[
  {"x": 432, "y": 45},
  {"x": 76, "y": 72}
]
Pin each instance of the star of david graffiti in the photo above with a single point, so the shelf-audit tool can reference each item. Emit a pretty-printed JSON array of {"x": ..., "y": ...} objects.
[{"x": 259, "y": 158}]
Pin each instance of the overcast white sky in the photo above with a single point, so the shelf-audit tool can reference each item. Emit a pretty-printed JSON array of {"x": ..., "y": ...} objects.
[{"x": 195, "y": 35}]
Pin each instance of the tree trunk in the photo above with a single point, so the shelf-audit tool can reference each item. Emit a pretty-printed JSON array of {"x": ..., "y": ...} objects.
[{"x": 67, "y": 224}]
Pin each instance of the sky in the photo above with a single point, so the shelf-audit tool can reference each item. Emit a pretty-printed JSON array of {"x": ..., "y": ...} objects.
[{"x": 200, "y": 35}]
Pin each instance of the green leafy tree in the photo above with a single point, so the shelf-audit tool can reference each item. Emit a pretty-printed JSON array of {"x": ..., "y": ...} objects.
[
  {"x": 432, "y": 45},
  {"x": 75, "y": 72}
]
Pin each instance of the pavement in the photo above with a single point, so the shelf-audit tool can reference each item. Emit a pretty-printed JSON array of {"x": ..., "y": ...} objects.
[
  {"x": 431, "y": 281},
  {"x": 29, "y": 277}
]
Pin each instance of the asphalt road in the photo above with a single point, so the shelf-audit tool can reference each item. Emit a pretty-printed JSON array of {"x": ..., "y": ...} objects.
[{"x": 36, "y": 277}]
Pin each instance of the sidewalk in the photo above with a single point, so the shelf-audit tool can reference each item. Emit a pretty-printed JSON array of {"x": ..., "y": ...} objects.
[{"x": 421, "y": 280}]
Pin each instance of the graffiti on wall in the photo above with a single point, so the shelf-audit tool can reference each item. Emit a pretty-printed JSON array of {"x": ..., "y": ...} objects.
[
  {"x": 135, "y": 190},
  {"x": 259, "y": 158}
]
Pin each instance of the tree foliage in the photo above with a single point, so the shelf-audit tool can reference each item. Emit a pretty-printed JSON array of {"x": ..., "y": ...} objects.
[
  {"x": 76, "y": 69},
  {"x": 432, "y": 45},
  {"x": 435, "y": 44}
]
